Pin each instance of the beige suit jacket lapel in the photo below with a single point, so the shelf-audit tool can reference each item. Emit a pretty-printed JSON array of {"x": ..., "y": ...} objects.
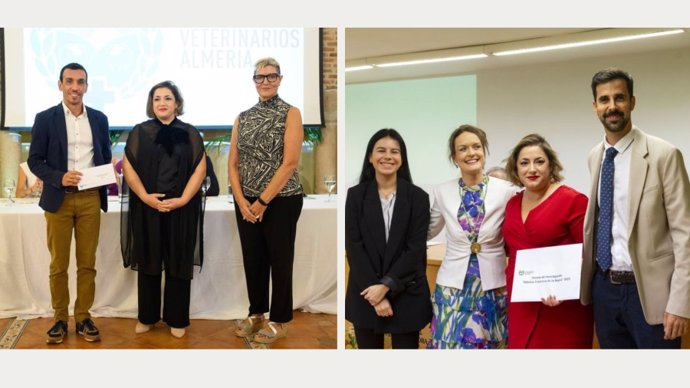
[
  {"x": 638, "y": 176},
  {"x": 595, "y": 169}
]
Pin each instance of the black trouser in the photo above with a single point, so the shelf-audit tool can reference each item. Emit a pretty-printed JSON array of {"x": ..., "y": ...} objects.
[
  {"x": 176, "y": 299},
  {"x": 367, "y": 339},
  {"x": 268, "y": 252}
]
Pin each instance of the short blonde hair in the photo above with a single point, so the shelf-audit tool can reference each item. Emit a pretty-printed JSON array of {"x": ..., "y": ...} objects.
[{"x": 268, "y": 61}]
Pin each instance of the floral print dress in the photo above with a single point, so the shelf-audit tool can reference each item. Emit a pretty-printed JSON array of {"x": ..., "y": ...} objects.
[{"x": 469, "y": 318}]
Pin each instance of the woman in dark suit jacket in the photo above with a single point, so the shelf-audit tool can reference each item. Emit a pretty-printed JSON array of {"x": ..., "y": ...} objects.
[{"x": 386, "y": 219}]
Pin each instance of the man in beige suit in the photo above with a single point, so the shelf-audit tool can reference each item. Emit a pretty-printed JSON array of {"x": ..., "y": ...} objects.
[{"x": 636, "y": 268}]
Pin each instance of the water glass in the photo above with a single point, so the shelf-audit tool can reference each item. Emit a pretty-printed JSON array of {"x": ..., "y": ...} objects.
[
  {"x": 8, "y": 186},
  {"x": 329, "y": 182}
]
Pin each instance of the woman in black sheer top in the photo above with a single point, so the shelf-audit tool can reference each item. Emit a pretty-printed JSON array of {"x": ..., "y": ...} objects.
[{"x": 164, "y": 166}]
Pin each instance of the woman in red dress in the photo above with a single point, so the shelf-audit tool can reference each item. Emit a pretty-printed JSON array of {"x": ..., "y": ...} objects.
[{"x": 546, "y": 213}]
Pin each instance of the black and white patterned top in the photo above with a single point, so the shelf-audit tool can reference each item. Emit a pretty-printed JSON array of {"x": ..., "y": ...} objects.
[{"x": 261, "y": 145}]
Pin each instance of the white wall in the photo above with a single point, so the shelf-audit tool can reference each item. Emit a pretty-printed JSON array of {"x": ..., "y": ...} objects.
[
  {"x": 555, "y": 100},
  {"x": 424, "y": 111}
]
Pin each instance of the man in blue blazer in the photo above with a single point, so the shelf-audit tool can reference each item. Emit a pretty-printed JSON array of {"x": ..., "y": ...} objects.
[{"x": 66, "y": 139}]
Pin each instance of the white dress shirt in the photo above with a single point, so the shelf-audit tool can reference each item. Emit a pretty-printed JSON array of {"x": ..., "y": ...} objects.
[
  {"x": 387, "y": 205},
  {"x": 79, "y": 140},
  {"x": 621, "y": 203}
]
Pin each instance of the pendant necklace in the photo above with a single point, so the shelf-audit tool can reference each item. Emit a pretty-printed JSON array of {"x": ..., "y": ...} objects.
[{"x": 475, "y": 247}]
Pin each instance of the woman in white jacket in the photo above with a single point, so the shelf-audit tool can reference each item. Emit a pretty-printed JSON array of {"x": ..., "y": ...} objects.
[{"x": 469, "y": 300}]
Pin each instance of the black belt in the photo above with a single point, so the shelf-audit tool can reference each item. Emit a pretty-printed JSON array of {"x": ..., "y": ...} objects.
[{"x": 620, "y": 277}]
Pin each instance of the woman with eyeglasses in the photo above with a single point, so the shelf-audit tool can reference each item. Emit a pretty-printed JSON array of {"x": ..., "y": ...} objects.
[{"x": 262, "y": 167}]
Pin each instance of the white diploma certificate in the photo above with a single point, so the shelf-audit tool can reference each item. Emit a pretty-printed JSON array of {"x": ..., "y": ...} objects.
[
  {"x": 97, "y": 176},
  {"x": 541, "y": 272}
]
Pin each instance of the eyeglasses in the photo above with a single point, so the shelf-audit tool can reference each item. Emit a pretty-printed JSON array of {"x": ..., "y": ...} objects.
[{"x": 259, "y": 78}]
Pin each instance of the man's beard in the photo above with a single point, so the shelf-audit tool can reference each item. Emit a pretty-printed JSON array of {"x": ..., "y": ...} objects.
[{"x": 618, "y": 126}]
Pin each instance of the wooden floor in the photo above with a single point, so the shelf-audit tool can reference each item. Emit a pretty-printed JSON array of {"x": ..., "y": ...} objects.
[{"x": 306, "y": 331}]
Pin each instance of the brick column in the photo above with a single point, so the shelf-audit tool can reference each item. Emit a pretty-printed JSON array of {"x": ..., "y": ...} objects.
[{"x": 326, "y": 153}]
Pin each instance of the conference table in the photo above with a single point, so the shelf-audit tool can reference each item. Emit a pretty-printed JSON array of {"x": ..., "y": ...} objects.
[{"x": 218, "y": 288}]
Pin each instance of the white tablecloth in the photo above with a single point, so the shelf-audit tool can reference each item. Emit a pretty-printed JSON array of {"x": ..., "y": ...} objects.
[{"x": 218, "y": 290}]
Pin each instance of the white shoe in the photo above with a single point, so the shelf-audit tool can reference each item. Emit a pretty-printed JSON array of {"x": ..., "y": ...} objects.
[
  {"x": 142, "y": 328},
  {"x": 179, "y": 333}
]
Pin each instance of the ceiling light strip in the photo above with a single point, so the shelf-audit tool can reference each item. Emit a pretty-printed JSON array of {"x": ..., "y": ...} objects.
[
  {"x": 356, "y": 68},
  {"x": 587, "y": 43},
  {"x": 487, "y": 49},
  {"x": 433, "y": 60}
]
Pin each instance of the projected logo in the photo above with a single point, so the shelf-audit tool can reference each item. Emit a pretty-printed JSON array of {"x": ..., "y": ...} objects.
[{"x": 119, "y": 61}]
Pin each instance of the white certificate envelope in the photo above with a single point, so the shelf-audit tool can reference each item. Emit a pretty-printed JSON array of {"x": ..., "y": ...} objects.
[
  {"x": 97, "y": 176},
  {"x": 541, "y": 272}
]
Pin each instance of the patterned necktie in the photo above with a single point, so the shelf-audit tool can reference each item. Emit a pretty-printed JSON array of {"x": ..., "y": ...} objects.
[{"x": 605, "y": 211}]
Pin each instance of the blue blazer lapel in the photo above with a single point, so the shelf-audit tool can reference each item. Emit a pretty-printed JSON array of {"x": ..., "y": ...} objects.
[
  {"x": 95, "y": 136},
  {"x": 61, "y": 133}
]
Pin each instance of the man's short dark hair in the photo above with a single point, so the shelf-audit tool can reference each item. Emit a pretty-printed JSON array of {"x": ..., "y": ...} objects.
[
  {"x": 608, "y": 75},
  {"x": 73, "y": 66}
]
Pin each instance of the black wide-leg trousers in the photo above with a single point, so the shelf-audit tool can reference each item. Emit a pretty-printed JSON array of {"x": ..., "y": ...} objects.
[{"x": 268, "y": 253}]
